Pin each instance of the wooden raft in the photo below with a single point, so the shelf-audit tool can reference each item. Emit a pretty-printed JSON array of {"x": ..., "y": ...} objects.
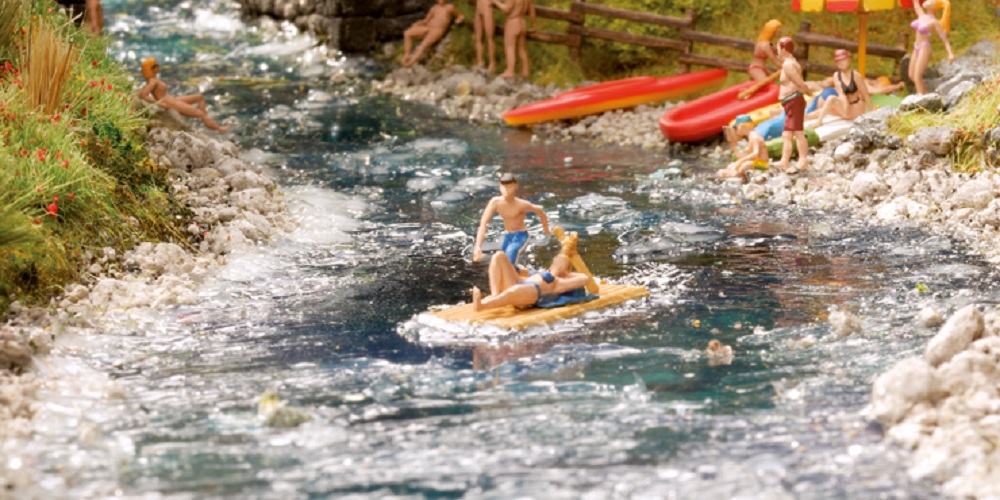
[{"x": 517, "y": 319}]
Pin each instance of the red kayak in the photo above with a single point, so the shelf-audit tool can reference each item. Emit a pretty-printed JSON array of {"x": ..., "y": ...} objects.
[
  {"x": 614, "y": 95},
  {"x": 705, "y": 116}
]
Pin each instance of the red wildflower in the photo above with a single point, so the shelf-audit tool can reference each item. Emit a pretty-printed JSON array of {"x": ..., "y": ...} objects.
[
  {"x": 55, "y": 199},
  {"x": 52, "y": 210},
  {"x": 71, "y": 197},
  {"x": 65, "y": 163},
  {"x": 94, "y": 62},
  {"x": 37, "y": 221}
]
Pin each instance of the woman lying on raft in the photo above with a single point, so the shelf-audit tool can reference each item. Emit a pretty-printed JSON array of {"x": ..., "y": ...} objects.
[{"x": 557, "y": 286}]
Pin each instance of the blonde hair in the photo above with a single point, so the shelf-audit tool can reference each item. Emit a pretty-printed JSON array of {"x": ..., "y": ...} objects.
[
  {"x": 147, "y": 67},
  {"x": 770, "y": 28},
  {"x": 945, "y": 16}
]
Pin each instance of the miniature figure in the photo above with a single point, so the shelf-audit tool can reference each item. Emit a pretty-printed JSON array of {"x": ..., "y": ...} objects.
[
  {"x": 483, "y": 25},
  {"x": 512, "y": 210},
  {"x": 155, "y": 92},
  {"x": 924, "y": 25},
  {"x": 718, "y": 353},
  {"x": 88, "y": 13},
  {"x": 556, "y": 287},
  {"x": 791, "y": 94},
  {"x": 852, "y": 99},
  {"x": 763, "y": 51},
  {"x": 515, "y": 33},
  {"x": 755, "y": 154},
  {"x": 432, "y": 28}
]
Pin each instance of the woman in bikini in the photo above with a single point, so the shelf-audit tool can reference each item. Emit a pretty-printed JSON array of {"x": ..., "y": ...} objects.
[
  {"x": 155, "y": 92},
  {"x": 764, "y": 51},
  {"x": 924, "y": 25},
  {"x": 852, "y": 98},
  {"x": 510, "y": 288}
]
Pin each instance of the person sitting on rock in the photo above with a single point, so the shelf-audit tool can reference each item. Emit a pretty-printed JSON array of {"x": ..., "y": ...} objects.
[
  {"x": 852, "y": 98},
  {"x": 155, "y": 92},
  {"x": 755, "y": 154},
  {"x": 432, "y": 28}
]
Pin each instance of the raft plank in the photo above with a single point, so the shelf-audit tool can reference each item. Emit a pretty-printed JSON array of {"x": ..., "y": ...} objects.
[{"x": 516, "y": 319}]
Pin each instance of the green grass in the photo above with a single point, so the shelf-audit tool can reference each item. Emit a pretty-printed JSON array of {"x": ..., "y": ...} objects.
[
  {"x": 975, "y": 114},
  {"x": 74, "y": 176},
  {"x": 602, "y": 61}
]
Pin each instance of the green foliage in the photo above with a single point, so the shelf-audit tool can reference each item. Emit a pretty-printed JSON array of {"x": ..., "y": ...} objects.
[
  {"x": 76, "y": 177},
  {"x": 971, "y": 118}
]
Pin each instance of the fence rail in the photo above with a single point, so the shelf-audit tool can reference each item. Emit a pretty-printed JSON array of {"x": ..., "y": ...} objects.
[{"x": 577, "y": 31}]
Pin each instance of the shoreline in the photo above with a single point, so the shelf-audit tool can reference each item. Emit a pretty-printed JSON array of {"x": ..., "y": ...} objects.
[
  {"x": 944, "y": 408},
  {"x": 235, "y": 206}
]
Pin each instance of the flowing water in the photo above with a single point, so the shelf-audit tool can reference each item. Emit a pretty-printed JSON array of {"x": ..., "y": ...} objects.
[{"x": 388, "y": 193}]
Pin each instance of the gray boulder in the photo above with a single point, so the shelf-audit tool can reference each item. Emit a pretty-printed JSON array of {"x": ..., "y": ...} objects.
[
  {"x": 937, "y": 140},
  {"x": 928, "y": 102}
]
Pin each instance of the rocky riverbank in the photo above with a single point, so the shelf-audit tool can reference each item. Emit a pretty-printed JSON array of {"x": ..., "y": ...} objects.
[
  {"x": 475, "y": 95},
  {"x": 235, "y": 206},
  {"x": 945, "y": 406}
]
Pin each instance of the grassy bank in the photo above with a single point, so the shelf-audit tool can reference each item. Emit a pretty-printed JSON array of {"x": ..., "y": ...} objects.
[
  {"x": 600, "y": 60},
  {"x": 74, "y": 176}
]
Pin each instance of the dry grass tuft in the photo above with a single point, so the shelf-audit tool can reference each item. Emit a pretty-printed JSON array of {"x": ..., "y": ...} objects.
[
  {"x": 10, "y": 17},
  {"x": 49, "y": 59}
]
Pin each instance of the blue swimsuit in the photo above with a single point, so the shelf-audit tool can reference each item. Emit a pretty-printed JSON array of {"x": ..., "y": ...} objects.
[{"x": 512, "y": 245}]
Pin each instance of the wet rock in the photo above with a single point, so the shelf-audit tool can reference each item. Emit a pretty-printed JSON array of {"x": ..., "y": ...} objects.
[
  {"x": 929, "y": 317},
  {"x": 930, "y": 102},
  {"x": 844, "y": 323},
  {"x": 958, "y": 332},
  {"x": 896, "y": 391},
  {"x": 937, "y": 140}
]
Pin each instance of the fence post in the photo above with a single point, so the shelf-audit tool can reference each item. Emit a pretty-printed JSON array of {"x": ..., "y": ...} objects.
[
  {"x": 574, "y": 52},
  {"x": 689, "y": 48},
  {"x": 805, "y": 26}
]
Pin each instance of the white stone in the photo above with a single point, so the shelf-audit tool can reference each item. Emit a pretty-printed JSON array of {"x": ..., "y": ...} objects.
[
  {"x": 958, "y": 332},
  {"x": 866, "y": 186},
  {"x": 844, "y": 323},
  {"x": 929, "y": 317},
  {"x": 909, "y": 382}
]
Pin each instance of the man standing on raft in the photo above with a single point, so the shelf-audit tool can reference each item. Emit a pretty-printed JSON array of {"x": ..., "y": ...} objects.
[
  {"x": 512, "y": 210},
  {"x": 792, "y": 96}
]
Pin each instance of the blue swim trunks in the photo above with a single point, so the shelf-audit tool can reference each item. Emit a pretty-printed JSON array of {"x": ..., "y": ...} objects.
[{"x": 512, "y": 245}]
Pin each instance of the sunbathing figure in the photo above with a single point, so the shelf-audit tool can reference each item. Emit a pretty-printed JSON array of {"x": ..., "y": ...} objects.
[
  {"x": 155, "y": 92},
  {"x": 432, "y": 28},
  {"x": 556, "y": 286},
  {"x": 852, "y": 99}
]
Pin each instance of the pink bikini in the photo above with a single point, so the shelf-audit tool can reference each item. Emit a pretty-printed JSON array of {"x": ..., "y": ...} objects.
[{"x": 920, "y": 29}]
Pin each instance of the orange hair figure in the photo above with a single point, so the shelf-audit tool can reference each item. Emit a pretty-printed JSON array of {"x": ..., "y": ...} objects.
[
  {"x": 148, "y": 65},
  {"x": 770, "y": 28},
  {"x": 946, "y": 15}
]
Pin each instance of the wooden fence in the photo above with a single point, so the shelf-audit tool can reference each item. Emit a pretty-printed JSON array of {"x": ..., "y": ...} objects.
[{"x": 577, "y": 31}]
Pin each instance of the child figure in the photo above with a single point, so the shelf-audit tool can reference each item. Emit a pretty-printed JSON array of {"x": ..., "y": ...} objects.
[
  {"x": 512, "y": 210},
  {"x": 755, "y": 154}
]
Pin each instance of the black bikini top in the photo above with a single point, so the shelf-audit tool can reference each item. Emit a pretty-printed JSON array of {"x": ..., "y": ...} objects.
[{"x": 848, "y": 89}]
